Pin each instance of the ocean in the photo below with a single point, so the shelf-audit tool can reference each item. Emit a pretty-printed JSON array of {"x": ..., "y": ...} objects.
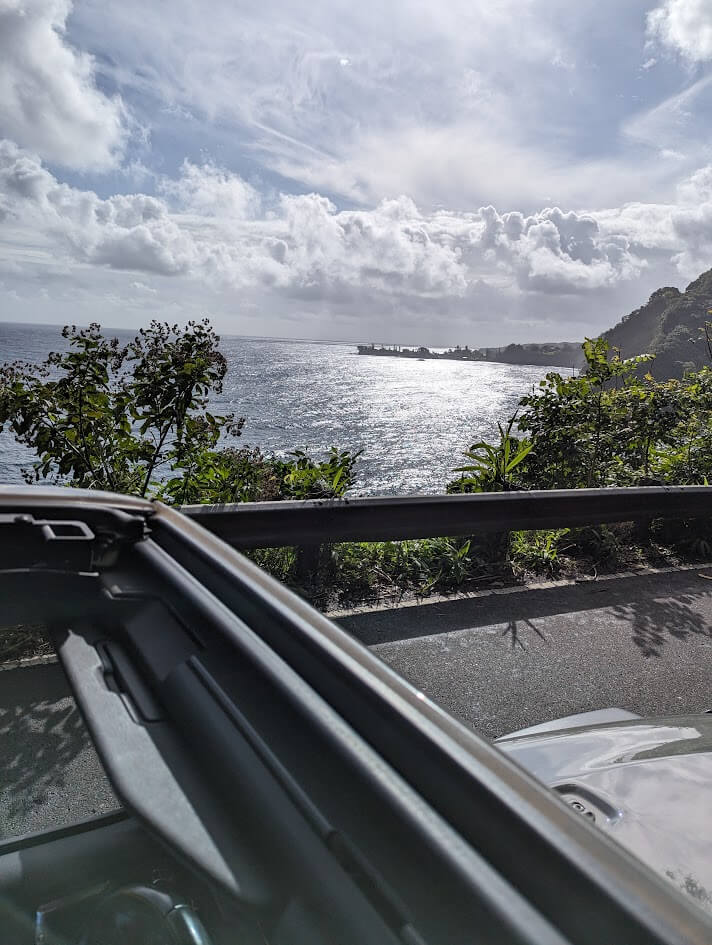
[{"x": 412, "y": 419}]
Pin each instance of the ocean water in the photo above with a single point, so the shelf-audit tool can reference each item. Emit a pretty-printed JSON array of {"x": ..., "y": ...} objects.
[{"x": 412, "y": 419}]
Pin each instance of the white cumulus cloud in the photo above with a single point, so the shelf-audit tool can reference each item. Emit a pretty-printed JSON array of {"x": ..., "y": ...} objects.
[
  {"x": 49, "y": 101},
  {"x": 212, "y": 191},
  {"x": 679, "y": 231},
  {"x": 553, "y": 251},
  {"x": 210, "y": 225}
]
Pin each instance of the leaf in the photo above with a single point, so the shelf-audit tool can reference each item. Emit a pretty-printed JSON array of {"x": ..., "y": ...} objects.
[{"x": 524, "y": 450}]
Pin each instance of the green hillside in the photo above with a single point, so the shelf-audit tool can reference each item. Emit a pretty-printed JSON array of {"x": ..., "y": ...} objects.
[{"x": 668, "y": 326}]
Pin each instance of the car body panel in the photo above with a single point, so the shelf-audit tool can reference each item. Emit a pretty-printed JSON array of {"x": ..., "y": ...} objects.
[
  {"x": 646, "y": 782},
  {"x": 595, "y": 717}
]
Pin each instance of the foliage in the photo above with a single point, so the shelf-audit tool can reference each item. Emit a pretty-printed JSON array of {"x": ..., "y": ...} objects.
[
  {"x": 610, "y": 426},
  {"x": 303, "y": 478},
  {"x": 279, "y": 562},
  {"x": 104, "y": 416},
  {"x": 247, "y": 475},
  {"x": 134, "y": 419},
  {"x": 349, "y": 572},
  {"x": 366, "y": 570},
  {"x": 491, "y": 467},
  {"x": 538, "y": 550},
  {"x": 614, "y": 425},
  {"x": 669, "y": 326}
]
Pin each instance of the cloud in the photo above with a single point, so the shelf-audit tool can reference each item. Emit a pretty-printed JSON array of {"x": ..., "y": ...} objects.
[
  {"x": 49, "y": 101},
  {"x": 684, "y": 26},
  {"x": 679, "y": 231},
  {"x": 419, "y": 163},
  {"x": 693, "y": 226},
  {"x": 212, "y": 226},
  {"x": 676, "y": 129},
  {"x": 647, "y": 226},
  {"x": 132, "y": 232},
  {"x": 554, "y": 252},
  {"x": 212, "y": 191},
  {"x": 457, "y": 104}
]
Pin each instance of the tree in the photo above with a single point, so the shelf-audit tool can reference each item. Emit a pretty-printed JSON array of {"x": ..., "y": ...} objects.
[
  {"x": 104, "y": 416},
  {"x": 609, "y": 426}
]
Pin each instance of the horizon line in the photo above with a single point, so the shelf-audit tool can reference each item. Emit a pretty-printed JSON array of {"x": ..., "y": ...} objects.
[{"x": 283, "y": 338}]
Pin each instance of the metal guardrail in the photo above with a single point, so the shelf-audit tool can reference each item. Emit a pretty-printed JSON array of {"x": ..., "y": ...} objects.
[{"x": 313, "y": 522}]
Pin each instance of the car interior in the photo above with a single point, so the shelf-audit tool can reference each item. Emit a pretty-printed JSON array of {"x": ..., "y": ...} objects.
[
  {"x": 277, "y": 782},
  {"x": 187, "y": 860}
]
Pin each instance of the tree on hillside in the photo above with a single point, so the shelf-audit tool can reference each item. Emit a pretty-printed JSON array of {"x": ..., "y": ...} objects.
[
  {"x": 668, "y": 326},
  {"x": 612, "y": 426}
]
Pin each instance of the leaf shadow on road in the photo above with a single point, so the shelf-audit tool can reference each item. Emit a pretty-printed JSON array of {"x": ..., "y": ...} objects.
[
  {"x": 659, "y": 608},
  {"x": 656, "y": 621},
  {"x": 41, "y": 735}
]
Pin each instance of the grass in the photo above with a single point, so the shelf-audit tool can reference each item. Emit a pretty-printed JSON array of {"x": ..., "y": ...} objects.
[
  {"x": 351, "y": 573},
  {"x": 354, "y": 573}
]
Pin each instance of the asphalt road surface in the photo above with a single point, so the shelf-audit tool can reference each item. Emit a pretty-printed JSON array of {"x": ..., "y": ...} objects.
[
  {"x": 49, "y": 772},
  {"x": 497, "y": 662},
  {"x": 512, "y": 659}
]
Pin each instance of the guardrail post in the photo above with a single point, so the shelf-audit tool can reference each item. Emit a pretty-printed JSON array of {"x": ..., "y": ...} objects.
[
  {"x": 499, "y": 544},
  {"x": 306, "y": 567}
]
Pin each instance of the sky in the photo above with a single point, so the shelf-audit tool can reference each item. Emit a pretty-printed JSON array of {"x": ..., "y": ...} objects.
[{"x": 410, "y": 171}]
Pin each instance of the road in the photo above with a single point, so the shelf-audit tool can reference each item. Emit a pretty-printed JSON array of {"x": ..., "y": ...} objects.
[
  {"x": 497, "y": 662},
  {"x": 511, "y": 659},
  {"x": 50, "y": 774}
]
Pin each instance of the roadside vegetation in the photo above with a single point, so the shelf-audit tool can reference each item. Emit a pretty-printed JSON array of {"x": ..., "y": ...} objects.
[
  {"x": 612, "y": 425},
  {"x": 135, "y": 419}
]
